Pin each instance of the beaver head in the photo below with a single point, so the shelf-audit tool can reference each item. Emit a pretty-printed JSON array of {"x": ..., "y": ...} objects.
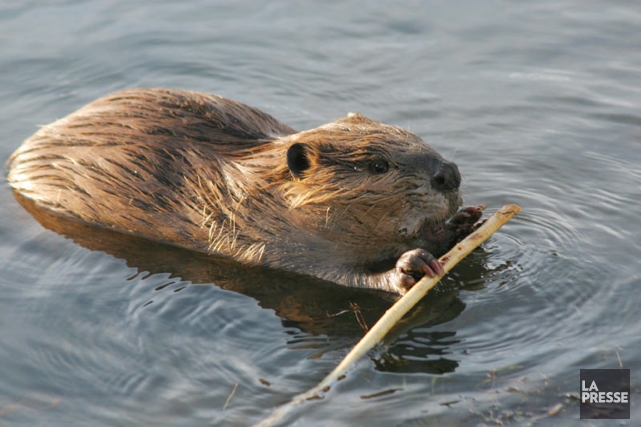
[{"x": 376, "y": 189}]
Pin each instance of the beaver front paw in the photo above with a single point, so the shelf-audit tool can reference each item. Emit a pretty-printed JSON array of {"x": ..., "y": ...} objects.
[
  {"x": 465, "y": 222},
  {"x": 412, "y": 266}
]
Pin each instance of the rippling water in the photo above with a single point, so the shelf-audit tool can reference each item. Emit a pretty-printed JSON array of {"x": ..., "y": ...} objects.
[{"x": 537, "y": 102}]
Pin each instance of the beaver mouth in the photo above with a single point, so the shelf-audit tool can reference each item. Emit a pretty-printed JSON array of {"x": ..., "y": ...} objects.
[{"x": 435, "y": 231}]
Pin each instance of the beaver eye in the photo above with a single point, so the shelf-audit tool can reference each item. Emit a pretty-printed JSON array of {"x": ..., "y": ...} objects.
[{"x": 379, "y": 166}]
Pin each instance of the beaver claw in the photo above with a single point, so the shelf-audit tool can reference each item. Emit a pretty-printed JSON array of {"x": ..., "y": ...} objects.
[
  {"x": 412, "y": 266},
  {"x": 465, "y": 222},
  {"x": 415, "y": 264}
]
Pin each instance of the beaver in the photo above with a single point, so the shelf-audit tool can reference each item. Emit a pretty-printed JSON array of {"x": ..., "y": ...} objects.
[{"x": 355, "y": 201}]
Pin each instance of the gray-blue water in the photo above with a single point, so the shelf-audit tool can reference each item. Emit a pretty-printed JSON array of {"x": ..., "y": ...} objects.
[{"x": 537, "y": 102}]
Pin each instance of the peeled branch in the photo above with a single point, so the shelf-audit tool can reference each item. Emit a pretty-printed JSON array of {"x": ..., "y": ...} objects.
[{"x": 397, "y": 311}]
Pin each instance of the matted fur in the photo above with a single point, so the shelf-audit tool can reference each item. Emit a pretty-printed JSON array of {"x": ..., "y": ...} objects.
[{"x": 210, "y": 174}]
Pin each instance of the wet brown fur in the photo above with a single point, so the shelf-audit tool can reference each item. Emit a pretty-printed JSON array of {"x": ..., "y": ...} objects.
[{"x": 210, "y": 174}]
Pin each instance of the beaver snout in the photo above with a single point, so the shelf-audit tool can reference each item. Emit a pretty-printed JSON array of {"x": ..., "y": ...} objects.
[{"x": 446, "y": 178}]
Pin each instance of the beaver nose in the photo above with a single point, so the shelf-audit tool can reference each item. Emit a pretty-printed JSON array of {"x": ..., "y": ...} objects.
[{"x": 446, "y": 178}]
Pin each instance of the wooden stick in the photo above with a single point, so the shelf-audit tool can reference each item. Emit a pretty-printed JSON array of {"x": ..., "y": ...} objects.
[{"x": 397, "y": 311}]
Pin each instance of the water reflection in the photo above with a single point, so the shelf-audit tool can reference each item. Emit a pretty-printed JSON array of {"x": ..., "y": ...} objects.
[{"x": 315, "y": 307}]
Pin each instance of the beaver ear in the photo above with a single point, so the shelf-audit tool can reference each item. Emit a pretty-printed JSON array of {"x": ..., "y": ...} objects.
[{"x": 297, "y": 159}]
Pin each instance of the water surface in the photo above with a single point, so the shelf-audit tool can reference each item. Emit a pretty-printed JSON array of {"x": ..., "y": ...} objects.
[{"x": 537, "y": 102}]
